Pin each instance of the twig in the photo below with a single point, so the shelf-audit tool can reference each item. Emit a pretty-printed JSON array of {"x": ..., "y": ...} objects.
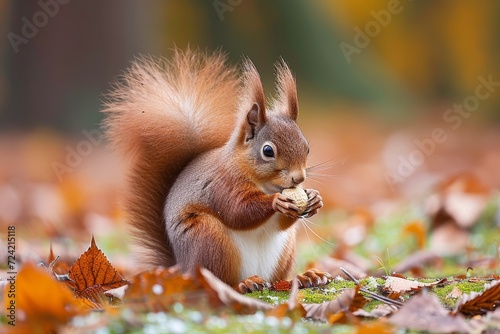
[{"x": 372, "y": 294}]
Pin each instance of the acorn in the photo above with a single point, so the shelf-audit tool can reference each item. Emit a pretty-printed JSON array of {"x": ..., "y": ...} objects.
[{"x": 299, "y": 197}]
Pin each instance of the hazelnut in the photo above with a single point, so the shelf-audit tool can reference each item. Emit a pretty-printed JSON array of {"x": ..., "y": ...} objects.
[{"x": 299, "y": 197}]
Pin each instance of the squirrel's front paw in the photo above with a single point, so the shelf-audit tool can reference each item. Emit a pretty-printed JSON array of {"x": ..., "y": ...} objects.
[
  {"x": 252, "y": 283},
  {"x": 314, "y": 278},
  {"x": 285, "y": 205},
  {"x": 314, "y": 203}
]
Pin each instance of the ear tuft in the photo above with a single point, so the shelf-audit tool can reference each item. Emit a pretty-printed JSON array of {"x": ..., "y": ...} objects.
[
  {"x": 253, "y": 92},
  {"x": 287, "y": 91}
]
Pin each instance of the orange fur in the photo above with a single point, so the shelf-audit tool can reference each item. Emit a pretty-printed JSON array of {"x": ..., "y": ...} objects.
[
  {"x": 160, "y": 116},
  {"x": 200, "y": 192}
]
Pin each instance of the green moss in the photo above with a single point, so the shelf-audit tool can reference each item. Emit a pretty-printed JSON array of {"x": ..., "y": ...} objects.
[
  {"x": 271, "y": 297},
  {"x": 464, "y": 286},
  {"x": 308, "y": 296}
]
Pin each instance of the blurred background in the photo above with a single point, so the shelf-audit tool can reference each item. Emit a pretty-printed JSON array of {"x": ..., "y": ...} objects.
[{"x": 396, "y": 97}]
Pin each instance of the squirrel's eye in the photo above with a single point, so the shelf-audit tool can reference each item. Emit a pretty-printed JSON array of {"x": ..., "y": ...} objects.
[{"x": 268, "y": 151}]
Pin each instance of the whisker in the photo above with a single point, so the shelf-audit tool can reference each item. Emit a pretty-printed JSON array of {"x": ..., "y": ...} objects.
[
  {"x": 315, "y": 224},
  {"x": 324, "y": 166},
  {"x": 324, "y": 175},
  {"x": 317, "y": 181},
  {"x": 305, "y": 222},
  {"x": 308, "y": 238}
]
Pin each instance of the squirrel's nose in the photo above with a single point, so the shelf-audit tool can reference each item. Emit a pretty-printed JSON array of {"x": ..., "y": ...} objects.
[{"x": 298, "y": 177}]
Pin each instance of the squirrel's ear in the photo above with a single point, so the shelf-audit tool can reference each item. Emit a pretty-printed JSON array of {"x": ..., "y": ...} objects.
[
  {"x": 287, "y": 91},
  {"x": 256, "y": 117},
  {"x": 252, "y": 90},
  {"x": 253, "y": 95}
]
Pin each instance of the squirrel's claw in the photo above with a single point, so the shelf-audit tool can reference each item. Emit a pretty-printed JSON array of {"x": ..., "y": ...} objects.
[
  {"x": 252, "y": 283},
  {"x": 315, "y": 202},
  {"x": 285, "y": 205},
  {"x": 314, "y": 278}
]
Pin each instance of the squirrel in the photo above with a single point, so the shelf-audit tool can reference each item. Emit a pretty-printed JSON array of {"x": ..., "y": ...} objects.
[{"x": 207, "y": 163}]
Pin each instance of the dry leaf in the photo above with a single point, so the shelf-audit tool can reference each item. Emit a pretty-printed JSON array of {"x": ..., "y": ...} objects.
[
  {"x": 159, "y": 289},
  {"x": 349, "y": 301},
  {"x": 380, "y": 311},
  {"x": 454, "y": 293},
  {"x": 221, "y": 294},
  {"x": 477, "y": 303},
  {"x": 418, "y": 230},
  {"x": 461, "y": 198},
  {"x": 449, "y": 239},
  {"x": 291, "y": 308},
  {"x": 397, "y": 284},
  {"x": 282, "y": 285},
  {"x": 42, "y": 304},
  {"x": 92, "y": 275},
  {"x": 424, "y": 312},
  {"x": 60, "y": 266},
  {"x": 374, "y": 327}
]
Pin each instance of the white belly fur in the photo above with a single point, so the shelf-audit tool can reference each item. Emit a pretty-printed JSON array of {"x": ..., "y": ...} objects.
[{"x": 260, "y": 249}]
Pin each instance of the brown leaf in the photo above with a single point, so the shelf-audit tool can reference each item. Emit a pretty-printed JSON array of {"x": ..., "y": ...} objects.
[
  {"x": 92, "y": 274},
  {"x": 454, "y": 293},
  {"x": 380, "y": 311},
  {"x": 377, "y": 327},
  {"x": 418, "y": 230},
  {"x": 461, "y": 198},
  {"x": 58, "y": 266},
  {"x": 159, "y": 289},
  {"x": 477, "y": 303},
  {"x": 397, "y": 284},
  {"x": 291, "y": 309},
  {"x": 424, "y": 312},
  {"x": 221, "y": 294},
  {"x": 449, "y": 239},
  {"x": 45, "y": 303},
  {"x": 282, "y": 285},
  {"x": 349, "y": 301}
]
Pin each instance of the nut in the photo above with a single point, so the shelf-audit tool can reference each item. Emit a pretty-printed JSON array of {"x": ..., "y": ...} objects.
[{"x": 299, "y": 197}]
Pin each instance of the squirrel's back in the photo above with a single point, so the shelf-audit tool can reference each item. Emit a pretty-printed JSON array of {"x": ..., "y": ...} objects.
[{"x": 160, "y": 115}]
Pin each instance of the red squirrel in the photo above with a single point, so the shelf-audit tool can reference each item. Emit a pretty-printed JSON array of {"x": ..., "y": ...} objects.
[{"x": 208, "y": 162}]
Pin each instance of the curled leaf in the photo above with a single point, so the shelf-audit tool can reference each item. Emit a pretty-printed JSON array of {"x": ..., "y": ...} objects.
[
  {"x": 424, "y": 312},
  {"x": 349, "y": 301},
  {"x": 477, "y": 303}
]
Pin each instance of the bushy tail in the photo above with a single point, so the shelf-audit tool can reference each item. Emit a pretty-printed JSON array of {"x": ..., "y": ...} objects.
[{"x": 161, "y": 115}]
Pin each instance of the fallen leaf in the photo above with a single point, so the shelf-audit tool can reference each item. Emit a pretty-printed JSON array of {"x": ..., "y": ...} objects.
[
  {"x": 58, "y": 266},
  {"x": 282, "y": 285},
  {"x": 42, "y": 304},
  {"x": 375, "y": 327},
  {"x": 448, "y": 239},
  {"x": 424, "y": 312},
  {"x": 221, "y": 294},
  {"x": 397, "y": 284},
  {"x": 291, "y": 309},
  {"x": 461, "y": 198},
  {"x": 92, "y": 275},
  {"x": 418, "y": 230},
  {"x": 454, "y": 293},
  {"x": 159, "y": 289},
  {"x": 382, "y": 310},
  {"x": 348, "y": 301},
  {"x": 478, "y": 303}
]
